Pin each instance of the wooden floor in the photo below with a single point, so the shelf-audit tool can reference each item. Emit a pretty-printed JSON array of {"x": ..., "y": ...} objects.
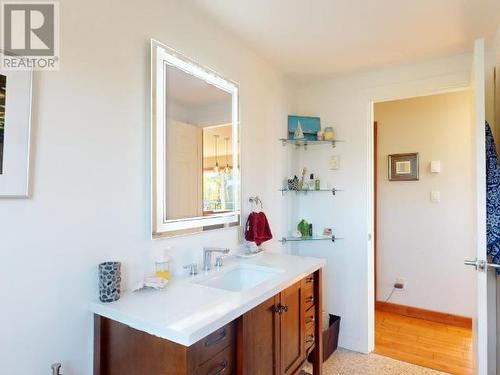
[{"x": 434, "y": 345}]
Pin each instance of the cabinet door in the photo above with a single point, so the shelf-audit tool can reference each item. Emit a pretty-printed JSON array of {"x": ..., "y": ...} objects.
[
  {"x": 260, "y": 341},
  {"x": 292, "y": 329}
]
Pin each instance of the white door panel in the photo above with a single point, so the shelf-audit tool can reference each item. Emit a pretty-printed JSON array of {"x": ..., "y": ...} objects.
[{"x": 482, "y": 364}]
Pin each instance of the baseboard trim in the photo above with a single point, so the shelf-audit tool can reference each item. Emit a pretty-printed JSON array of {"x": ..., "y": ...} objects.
[{"x": 433, "y": 316}]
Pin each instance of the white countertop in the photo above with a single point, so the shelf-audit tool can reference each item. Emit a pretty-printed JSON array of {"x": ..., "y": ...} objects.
[{"x": 185, "y": 312}]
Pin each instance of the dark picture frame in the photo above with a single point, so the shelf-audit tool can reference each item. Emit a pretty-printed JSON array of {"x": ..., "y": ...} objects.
[{"x": 403, "y": 167}]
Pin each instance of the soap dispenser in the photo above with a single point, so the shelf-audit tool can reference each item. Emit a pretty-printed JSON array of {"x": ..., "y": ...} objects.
[{"x": 162, "y": 266}]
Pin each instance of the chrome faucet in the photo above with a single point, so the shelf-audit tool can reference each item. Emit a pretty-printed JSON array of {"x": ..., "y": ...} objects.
[
  {"x": 56, "y": 367},
  {"x": 207, "y": 256}
]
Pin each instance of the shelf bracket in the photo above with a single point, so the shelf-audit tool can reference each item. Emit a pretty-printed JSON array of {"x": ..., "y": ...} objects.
[
  {"x": 334, "y": 191},
  {"x": 333, "y": 238}
]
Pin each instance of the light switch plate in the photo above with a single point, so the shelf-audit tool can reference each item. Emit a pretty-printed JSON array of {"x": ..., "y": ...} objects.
[
  {"x": 334, "y": 162},
  {"x": 435, "y": 196},
  {"x": 435, "y": 166}
]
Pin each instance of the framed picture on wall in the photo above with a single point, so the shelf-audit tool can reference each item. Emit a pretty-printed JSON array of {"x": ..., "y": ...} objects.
[
  {"x": 403, "y": 167},
  {"x": 15, "y": 124},
  {"x": 310, "y": 126}
]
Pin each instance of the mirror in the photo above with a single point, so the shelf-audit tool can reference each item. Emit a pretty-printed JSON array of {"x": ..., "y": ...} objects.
[{"x": 195, "y": 146}]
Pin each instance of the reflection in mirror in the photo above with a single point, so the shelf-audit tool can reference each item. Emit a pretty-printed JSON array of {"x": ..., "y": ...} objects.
[
  {"x": 200, "y": 184},
  {"x": 217, "y": 170},
  {"x": 197, "y": 118}
]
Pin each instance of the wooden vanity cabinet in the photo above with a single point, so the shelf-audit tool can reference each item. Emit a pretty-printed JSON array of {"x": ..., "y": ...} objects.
[
  {"x": 258, "y": 340},
  {"x": 292, "y": 329},
  {"x": 122, "y": 350},
  {"x": 273, "y": 338}
]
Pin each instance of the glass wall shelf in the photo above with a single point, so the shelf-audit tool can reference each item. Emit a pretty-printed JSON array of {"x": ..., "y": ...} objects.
[
  {"x": 303, "y": 142},
  {"x": 310, "y": 238},
  {"x": 305, "y": 191}
]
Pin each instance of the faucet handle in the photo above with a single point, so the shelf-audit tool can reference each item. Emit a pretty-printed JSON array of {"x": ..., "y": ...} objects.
[
  {"x": 192, "y": 267},
  {"x": 219, "y": 261}
]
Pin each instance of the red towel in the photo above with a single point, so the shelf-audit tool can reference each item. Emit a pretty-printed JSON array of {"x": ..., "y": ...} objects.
[{"x": 257, "y": 229}]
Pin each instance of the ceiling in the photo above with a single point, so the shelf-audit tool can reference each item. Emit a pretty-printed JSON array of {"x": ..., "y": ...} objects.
[{"x": 323, "y": 37}]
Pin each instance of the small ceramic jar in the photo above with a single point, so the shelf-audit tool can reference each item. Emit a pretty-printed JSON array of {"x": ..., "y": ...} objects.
[{"x": 329, "y": 133}]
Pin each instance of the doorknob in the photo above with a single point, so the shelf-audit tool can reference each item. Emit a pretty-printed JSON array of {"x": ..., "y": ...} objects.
[
  {"x": 481, "y": 265},
  {"x": 474, "y": 263}
]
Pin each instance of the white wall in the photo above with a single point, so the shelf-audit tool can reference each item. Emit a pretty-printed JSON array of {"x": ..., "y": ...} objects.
[
  {"x": 424, "y": 242},
  {"x": 345, "y": 102},
  {"x": 90, "y": 181}
]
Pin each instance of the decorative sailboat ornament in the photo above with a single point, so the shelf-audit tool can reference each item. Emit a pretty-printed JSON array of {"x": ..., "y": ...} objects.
[{"x": 299, "y": 134}]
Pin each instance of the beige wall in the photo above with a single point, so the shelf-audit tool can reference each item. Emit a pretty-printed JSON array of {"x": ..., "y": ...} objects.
[
  {"x": 223, "y": 132},
  {"x": 421, "y": 241}
]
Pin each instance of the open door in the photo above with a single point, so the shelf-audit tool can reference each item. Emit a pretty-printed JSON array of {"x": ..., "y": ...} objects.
[{"x": 484, "y": 333}]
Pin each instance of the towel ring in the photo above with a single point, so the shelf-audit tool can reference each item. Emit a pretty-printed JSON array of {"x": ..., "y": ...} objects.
[{"x": 256, "y": 201}]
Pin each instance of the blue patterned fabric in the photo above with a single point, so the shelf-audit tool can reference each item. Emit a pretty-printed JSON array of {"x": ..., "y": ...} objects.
[{"x": 492, "y": 198}]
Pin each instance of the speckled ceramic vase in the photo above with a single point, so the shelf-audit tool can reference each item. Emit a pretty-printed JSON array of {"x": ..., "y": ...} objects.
[{"x": 109, "y": 281}]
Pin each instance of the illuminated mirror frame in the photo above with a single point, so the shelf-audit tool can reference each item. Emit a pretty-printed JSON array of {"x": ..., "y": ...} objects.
[{"x": 161, "y": 57}]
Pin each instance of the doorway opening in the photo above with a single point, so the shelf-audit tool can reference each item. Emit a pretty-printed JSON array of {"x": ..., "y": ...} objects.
[{"x": 423, "y": 219}]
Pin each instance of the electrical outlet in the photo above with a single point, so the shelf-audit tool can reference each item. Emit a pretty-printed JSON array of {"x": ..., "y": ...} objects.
[{"x": 400, "y": 283}]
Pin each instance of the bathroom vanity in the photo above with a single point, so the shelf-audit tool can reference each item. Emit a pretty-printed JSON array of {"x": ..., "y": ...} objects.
[{"x": 254, "y": 316}]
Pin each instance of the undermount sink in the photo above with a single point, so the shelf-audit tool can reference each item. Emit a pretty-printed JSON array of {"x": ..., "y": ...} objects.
[{"x": 239, "y": 278}]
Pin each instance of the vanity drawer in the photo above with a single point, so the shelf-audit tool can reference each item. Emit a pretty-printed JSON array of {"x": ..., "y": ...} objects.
[
  {"x": 309, "y": 282},
  {"x": 310, "y": 317},
  {"x": 310, "y": 321},
  {"x": 308, "y": 299},
  {"x": 210, "y": 345},
  {"x": 220, "y": 364},
  {"x": 309, "y": 337}
]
